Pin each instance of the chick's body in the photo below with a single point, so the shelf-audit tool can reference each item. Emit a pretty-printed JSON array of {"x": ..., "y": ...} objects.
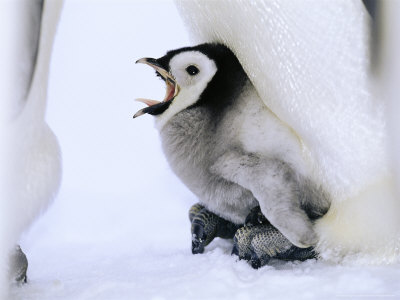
[{"x": 197, "y": 138}]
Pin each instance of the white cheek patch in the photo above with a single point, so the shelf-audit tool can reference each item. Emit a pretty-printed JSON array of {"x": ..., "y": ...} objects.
[{"x": 191, "y": 87}]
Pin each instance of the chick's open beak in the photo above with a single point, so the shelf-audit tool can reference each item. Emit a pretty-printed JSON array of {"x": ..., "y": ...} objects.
[{"x": 172, "y": 89}]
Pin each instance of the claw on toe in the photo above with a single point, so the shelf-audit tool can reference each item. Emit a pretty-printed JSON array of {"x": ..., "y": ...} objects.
[
  {"x": 205, "y": 226},
  {"x": 197, "y": 247},
  {"x": 198, "y": 237},
  {"x": 255, "y": 262}
]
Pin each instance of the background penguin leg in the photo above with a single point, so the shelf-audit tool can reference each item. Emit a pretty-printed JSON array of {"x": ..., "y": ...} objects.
[
  {"x": 206, "y": 226},
  {"x": 18, "y": 265}
]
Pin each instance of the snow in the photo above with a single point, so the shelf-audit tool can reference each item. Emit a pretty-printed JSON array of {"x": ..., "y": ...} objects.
[{"x": 119, "y": 227}]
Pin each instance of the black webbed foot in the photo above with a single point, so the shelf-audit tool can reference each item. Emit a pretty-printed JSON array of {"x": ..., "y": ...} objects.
[
  {"x": 206, "y": 226},
  {"x": 255, "y": 217},
  {"x": 258, "y": 241},
  {"x": 18, "y": 265}
]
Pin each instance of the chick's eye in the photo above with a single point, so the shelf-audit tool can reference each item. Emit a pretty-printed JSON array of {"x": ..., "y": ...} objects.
[{"x": 192, "y": 70}]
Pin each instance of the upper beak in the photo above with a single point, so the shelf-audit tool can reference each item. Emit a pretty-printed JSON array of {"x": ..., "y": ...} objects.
[
  {"x": 156, "y": 107},
  {"x": 154, "y": 64}
]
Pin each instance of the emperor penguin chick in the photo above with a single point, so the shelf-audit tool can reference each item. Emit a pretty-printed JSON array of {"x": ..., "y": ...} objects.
[{"x": 228, "y": 148}]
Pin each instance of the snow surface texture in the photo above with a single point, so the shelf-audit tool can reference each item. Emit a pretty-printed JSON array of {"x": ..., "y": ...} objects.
[
  {"x": 309, "y": 62},
  {"x": 119, "y": 228}
]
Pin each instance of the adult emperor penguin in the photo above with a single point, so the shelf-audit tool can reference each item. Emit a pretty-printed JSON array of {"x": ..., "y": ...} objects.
[
  {"x": 229, "y": 149},
  {"x": 30, "y": 162}
]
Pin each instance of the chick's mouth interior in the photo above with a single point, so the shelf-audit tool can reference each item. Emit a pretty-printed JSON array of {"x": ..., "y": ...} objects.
[{"x": 172, "y": 89}]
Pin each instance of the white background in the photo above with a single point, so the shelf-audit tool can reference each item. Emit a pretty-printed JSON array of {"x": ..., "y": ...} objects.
[{"x": 119, "y": 228}]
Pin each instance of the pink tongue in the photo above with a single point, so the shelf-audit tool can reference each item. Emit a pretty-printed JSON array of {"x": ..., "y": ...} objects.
[
  {"x": 149, "y": 102},
  {"x": 169, "y": 93}
]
